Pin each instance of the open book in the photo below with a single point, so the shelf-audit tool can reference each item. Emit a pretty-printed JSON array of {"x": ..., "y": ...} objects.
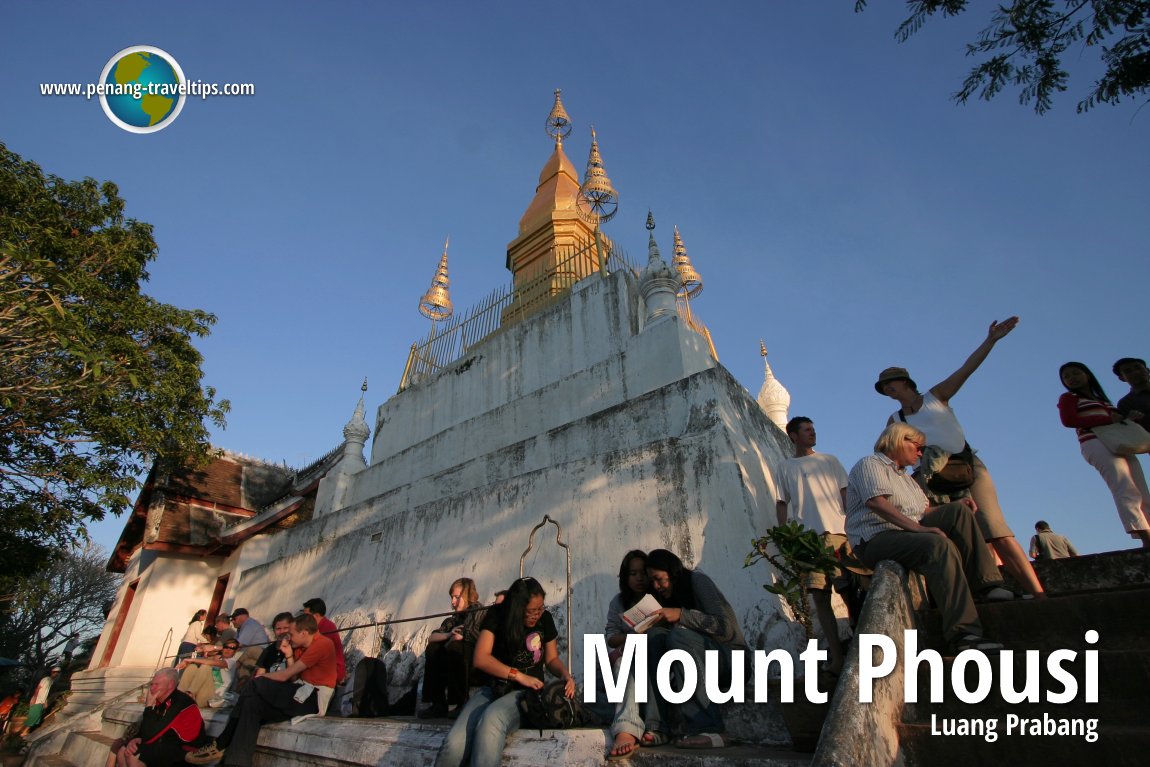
[{"x": 639, "y": 617}]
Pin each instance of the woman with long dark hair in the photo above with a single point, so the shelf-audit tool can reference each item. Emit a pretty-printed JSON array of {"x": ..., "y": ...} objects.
[
  {"x": 193, "y": 636},
  {"x": 694, "y": 617},
  {"x": 1085, "y": 406},
  {"x": 517, "y": 642},
  {"x": 627, "y": 724}
]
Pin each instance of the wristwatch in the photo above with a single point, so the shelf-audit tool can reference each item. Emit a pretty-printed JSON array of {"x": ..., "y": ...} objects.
[{"x": 512, "y": 673}]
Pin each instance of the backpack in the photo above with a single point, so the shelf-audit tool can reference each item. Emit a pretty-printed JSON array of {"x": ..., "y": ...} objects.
[
  {"x": 548, "y": 709},
  {"x": 369, "y": 689}
]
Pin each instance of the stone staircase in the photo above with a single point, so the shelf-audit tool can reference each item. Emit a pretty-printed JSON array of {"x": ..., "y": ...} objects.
[
  {"x": 408, "y": 742},
  {"x": 1109, "y": 593}
]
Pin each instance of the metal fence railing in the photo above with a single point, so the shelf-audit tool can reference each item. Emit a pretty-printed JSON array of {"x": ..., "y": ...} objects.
[{"x": 561, "y": 268}]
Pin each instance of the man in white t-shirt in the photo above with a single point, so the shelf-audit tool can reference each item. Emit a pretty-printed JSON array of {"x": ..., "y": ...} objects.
[{"x": 812, "y": 489}]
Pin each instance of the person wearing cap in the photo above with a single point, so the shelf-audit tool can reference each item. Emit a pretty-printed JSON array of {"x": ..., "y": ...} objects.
[
  {"x": 39, "y": 702},
  {"x": 249, "y": 631},
  {"x": 931, "y": 414}
]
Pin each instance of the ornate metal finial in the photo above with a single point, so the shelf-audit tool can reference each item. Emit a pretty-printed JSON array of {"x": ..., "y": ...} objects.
[
  {"x": 436, "y": 302},
  {"x": 762, "y": 347},
  {"x": 363, "y": 388},
  {"x": 558, "y": 123},
  {"x": 597, "y": 201},
  {"x": 650, "y": 221},
  {"x": 692, "y": 282}
]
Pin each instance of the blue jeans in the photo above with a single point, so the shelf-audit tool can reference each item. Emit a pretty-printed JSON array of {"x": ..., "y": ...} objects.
[
  {"x": 481, "y": 730},
  {"x": 698, "y": 714},
  {"x": 625, "y": 715}
]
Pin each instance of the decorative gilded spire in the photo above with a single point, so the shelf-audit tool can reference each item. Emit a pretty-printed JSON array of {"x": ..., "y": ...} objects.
[
  {"x": 692, "y": 282},
  {"x": 436, "y": 302},
  {"x": 558, "y": 123},
  {"x": 598, "y": 201}
]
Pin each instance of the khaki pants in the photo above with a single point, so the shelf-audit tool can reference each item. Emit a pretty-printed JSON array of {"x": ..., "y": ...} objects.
[{"x": 953, "y": 566}]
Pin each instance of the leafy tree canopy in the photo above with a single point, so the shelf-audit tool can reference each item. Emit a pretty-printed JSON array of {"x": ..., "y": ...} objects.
[
  {"x": 1026, "y": 40},
  {"x": 97, "y": 380}
]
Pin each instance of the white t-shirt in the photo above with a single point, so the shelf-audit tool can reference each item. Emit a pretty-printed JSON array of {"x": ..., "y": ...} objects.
[
  {"x": 938, "y": 422},
  {"x": 812, "y": 486}
]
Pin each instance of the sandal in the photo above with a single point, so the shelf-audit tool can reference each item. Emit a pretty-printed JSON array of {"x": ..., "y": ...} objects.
[
  {"x": 653, "y": 739},
  {"x": 623, "y": 750},
  {"x": 702, "y": 740}
]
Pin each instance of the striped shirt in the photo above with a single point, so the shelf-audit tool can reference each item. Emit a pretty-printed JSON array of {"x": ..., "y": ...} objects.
[
  {"x": 871, "y": 477},
  {"x": 1083, "y": 413}
]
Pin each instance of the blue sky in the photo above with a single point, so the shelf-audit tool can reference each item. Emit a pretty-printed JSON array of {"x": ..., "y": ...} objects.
[{"x": 835, "y": 200}]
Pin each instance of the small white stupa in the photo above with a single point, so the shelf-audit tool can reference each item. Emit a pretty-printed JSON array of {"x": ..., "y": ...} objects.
[{"x": 773, "y": 398}]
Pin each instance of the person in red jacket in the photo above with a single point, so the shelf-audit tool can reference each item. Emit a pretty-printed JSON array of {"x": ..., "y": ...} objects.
[
  {"x": 317, "y": 609},
  {"x": 1084, "y": 406}
]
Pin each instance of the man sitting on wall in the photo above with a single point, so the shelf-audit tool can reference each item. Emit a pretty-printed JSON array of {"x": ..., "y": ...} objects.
[
  {"x": 170, "y": 728},
  {"x": 303, "y": 688}
]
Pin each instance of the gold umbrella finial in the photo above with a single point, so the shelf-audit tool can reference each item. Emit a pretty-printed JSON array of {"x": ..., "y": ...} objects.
[
  {"x": 762, "y": 347},
  {"x": 436, "y": 302},
  {"x": 597, "y": 201},
  {"x": 692, "y": 282},
  {"x": 558, "y": 122}
]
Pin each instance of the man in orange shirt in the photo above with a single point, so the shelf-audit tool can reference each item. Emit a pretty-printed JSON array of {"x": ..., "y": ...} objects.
[
  {"x": 317, "y": 609},
  {"x": 303, "y": 688}
]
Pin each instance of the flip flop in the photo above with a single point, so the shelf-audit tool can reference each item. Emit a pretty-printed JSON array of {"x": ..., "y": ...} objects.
[
  {"x": 653, "y": 739},
  {"x": 702, "y": 740},
  {"x": 623, "y": 750}
]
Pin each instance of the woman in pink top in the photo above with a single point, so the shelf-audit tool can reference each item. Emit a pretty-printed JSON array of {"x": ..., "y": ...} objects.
[{"x": 1084, "y": 406}]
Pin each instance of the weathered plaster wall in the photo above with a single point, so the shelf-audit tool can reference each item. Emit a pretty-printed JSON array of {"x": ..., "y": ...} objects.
[{"x": 685, "y": 467}]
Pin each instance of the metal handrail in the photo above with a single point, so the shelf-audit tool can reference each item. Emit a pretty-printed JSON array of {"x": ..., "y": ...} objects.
[{"x": 558, "y": 540}]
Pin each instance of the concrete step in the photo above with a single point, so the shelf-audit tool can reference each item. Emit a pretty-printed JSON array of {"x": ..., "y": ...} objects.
[
  {"x": 1123, "y": 679},
  {"x": 1122, "y": 619},
  {"x": 86, "y": 748},
  {"x": 1116, "y": 747},
  {"x": 51, "y": 760},
  {"x": 407, "y": 742},
  {"x": 1095, "y": 572}
]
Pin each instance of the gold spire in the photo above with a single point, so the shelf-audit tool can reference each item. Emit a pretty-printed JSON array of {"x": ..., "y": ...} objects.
[
  {"x": 597, "y": 201},
  {"x": 558, "y": 123},
  {"x": 692, "y": 282},
  {"x": 762, "y": 347},
  {"x": 436, "y": 302}
]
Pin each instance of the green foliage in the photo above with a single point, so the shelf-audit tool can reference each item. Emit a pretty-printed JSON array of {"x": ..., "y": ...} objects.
[
  {"x": 800, "y": 551},
  {"x": 1026, "y": 41},
  {"x": 97, "y": 379}
]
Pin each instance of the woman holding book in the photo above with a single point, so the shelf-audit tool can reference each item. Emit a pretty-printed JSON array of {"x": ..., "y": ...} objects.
[{"x": 694, "y": 617}]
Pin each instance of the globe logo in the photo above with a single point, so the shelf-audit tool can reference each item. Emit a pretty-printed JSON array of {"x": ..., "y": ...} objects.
[{"x": 141, "y": 89}]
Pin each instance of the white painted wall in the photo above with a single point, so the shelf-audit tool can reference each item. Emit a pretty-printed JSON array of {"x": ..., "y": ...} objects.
[
  {"x": 171, "y": 588},
  {"x": 628, "y": 439}
]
